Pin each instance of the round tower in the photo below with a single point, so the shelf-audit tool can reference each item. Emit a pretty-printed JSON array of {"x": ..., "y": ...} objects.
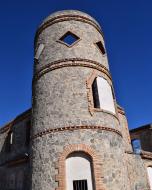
[{"x": 76, "y": 140}]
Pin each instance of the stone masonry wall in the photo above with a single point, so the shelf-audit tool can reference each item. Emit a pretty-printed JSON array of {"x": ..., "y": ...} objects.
[
  {"x": 15, "y": 177},
  {"x": 61, "y": 114},
  {"x": 137, "y": 172},
  {"x": 125, "y": 132},
  {"x": 14, "y": 154},
  {"x": 48, "y": 148},
  {"x": 60, "y": 100}
]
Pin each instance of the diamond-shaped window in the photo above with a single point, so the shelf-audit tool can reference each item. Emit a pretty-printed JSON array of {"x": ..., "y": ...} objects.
[{"x": 69, "y": 39}]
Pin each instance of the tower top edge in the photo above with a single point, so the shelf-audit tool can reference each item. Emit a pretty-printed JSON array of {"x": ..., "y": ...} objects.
[{"x": 68, "y": 13}]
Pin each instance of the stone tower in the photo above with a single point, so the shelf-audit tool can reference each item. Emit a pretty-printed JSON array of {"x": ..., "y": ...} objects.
[{"x": 77, "y": 140}]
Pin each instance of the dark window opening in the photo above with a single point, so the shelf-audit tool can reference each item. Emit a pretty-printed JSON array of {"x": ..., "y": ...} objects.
[
  {"x": 80, "y": 185},
  {"x": 69, "y": 38},
  {"x": 113, "y": 95},
  {"x": 101, "y": 47},
  {"x": 136, "y": 146},
  {"x": 95, "y": 94}
]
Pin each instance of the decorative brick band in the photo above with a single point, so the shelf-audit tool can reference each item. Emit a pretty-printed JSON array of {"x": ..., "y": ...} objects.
[
  {"x": 72, "y": 128},
  {"x": 63, "y": 18},
  {"x": 70, "y": 63},
  {"x": 96, "y": 164}
]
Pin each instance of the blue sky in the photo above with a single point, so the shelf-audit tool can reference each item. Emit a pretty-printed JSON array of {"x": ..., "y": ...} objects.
[{"x": 127, "y": 27}]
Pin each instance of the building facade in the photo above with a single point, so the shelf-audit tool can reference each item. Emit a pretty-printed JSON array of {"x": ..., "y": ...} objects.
[{"x": 76, "y": 136}]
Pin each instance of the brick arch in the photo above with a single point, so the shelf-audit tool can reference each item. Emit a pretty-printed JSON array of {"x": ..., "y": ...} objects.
[{"x": 96, "y": 164}]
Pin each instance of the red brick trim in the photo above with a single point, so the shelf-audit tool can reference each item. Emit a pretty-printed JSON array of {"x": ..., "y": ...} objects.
[
  {"x": 61, "y": 176},
  {"x": 63, "y": 18},
  {"x": 70, "y": 63},
  {"x": 72, "y": 128}
]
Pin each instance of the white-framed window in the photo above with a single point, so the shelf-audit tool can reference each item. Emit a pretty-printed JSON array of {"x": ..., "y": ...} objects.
[
  {"x": 103, "y": 95},
  {"x": 79, "y": 172},
  {"x": 149, "y": 170}
]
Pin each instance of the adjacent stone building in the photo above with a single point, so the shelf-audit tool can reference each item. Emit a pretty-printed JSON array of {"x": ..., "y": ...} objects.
[{"x": 76, "y": 136}]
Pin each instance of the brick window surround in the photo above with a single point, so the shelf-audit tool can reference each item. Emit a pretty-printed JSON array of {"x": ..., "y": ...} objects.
[
  {"x": 89, "y": 83},
  {"x": 96, "y": 163}
]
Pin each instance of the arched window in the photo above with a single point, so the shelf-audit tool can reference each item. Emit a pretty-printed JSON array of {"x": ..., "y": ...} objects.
[
  {"x": 103, "y": 95},
  {"x": 79, "y": 172},
  {"x": 149, "y": 170},
  {"x": 136, "y": 146}
]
